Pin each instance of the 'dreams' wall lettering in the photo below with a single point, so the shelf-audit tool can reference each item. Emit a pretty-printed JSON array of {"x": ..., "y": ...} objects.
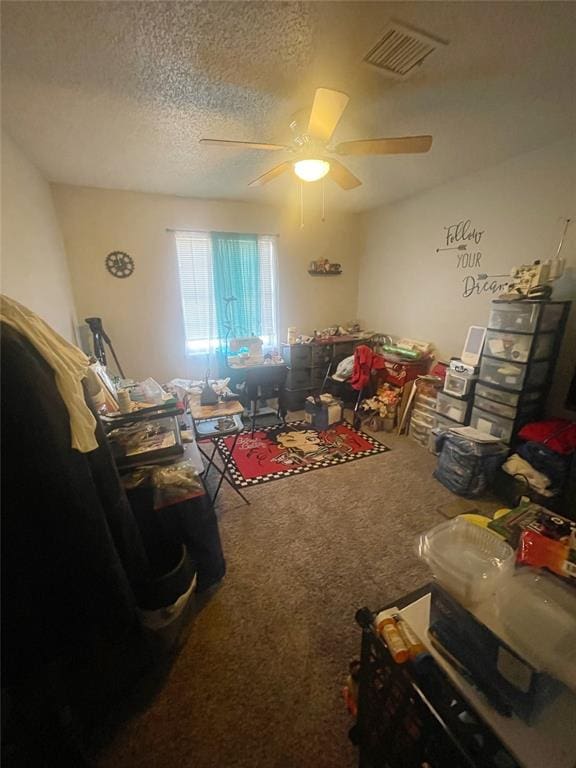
[{"x": 463, "y": 239}]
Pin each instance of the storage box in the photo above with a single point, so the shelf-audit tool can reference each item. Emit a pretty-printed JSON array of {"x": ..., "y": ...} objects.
[
  {"x": 453, "y": 407},
  {"x": 324, "y": 414},
  {"x": 458, "y": 384},
  {"x": 496, "y": 667}
]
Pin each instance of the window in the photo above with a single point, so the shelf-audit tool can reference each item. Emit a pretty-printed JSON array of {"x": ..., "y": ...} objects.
[{"x": 203, "y": 322}]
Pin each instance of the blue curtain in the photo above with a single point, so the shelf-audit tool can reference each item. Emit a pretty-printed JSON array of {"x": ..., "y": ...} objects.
[{"x": 236, "y": 278}]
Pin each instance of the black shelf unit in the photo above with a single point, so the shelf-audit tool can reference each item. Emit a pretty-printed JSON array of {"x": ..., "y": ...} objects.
[
  {"x": 308, "y": 364},
  {"x": 522, "y": 344}
]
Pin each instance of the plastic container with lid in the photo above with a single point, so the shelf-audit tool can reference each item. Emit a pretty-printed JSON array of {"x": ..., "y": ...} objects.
[
  {"x": 469, "y": 561},
  {"x": 538, "y": 613}
]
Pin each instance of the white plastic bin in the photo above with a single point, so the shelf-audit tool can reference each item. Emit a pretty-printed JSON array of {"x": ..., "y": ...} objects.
[{"x": 469, "y": 561}]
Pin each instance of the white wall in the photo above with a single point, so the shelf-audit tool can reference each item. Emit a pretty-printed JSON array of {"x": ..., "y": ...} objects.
[
  {"x": 34, "y": 267},
  {"x": 409, "y": 288},
  {"x": 142, "y": 313}
]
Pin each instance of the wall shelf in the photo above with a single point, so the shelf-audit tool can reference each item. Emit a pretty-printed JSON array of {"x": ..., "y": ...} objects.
[{"x": 323, "y": 274}]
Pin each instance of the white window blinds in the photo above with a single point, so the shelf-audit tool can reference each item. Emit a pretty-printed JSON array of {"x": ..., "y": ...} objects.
[{"x": 194, "y": 251}]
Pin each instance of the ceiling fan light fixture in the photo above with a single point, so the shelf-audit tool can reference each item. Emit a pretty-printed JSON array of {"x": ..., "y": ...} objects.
[{"x": 311, "y": 169}]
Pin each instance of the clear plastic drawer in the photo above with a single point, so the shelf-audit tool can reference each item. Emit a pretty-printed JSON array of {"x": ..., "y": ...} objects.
[
  {"x": 452, "y": 407},
  {"x": 458, "y": 384},
  {"x": 498, "y": 395},
  {"x": 508, "y": 398},
  {"x": 513, "y": 375},
  {"x": 443, "y": 422},
  {"x": 517, "y": 346},
  {"x": 526, "y": 411},
  {"x": 523, "y": 316},
  {"x": 423, "y": 416},
  {"x": 492, "y": 424},
  {"x": 508, "y": 411}
]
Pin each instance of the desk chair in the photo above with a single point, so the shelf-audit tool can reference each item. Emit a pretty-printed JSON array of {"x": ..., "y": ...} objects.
[{"x": 344, "y": 391}]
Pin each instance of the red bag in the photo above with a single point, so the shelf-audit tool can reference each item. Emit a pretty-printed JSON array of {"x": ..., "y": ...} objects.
[{"x": 557, "y": 434}]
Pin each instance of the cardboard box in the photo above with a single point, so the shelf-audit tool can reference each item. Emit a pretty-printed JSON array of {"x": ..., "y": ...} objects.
[{"x": 324, "y": 414}]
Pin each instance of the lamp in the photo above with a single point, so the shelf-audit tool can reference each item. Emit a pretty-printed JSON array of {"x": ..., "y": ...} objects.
[{"x": 311, "y": 169}]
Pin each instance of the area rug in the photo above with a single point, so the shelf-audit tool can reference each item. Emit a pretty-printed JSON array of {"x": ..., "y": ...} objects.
[{"x": 282, "y": 451}]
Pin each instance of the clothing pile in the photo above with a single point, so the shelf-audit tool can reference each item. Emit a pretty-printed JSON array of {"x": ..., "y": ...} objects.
[{"x": 543, "y": 460}]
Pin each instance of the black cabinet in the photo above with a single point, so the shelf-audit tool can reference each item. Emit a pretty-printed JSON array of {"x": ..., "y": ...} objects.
[{"x": 308, "y": 364}]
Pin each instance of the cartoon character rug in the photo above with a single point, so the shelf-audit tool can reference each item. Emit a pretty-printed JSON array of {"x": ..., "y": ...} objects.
[{"x": 281, "y": 451}]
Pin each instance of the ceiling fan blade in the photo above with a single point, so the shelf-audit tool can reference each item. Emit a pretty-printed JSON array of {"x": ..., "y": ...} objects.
[
  {"x": 405, "y": 145},
  {"x": 342, "y": 176},
  {"x": 327, "y": 110},
  {"x": 278, "y": 170},
  {"x": 243, "y": 144}
]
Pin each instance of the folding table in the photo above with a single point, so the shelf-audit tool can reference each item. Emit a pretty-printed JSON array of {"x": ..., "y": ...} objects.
[{"x": 210, "y": 423}]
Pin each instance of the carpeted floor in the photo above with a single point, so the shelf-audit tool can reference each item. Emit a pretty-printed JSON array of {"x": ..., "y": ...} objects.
[{"x": 257, "y": 682}]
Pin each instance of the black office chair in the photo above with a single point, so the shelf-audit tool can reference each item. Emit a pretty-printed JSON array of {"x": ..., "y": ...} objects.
[{"x": 344, "y": 391}]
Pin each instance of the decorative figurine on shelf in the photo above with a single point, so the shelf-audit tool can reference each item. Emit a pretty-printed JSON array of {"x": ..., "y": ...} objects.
[{"x": 324, "y": 267}]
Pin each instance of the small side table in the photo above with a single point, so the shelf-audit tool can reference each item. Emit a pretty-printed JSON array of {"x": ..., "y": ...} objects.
[{"x": 207, "y": 426}]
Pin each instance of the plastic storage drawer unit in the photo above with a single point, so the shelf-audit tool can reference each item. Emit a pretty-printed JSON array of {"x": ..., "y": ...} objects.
[
  {"x": 524, "y": 316},
  {"x": 419, "y": 432},
  {"x": 492, "y": 424},
  {"x": 518, "y": 346},
  {"x": 452, "y": 407},
  {"x": 514, "y": 376}
]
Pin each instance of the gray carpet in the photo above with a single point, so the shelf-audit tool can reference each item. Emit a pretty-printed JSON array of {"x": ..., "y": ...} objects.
[{"x": 258, "y": 680}]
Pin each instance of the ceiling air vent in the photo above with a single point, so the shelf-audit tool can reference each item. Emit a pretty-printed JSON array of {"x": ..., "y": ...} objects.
[{"x": 402, "y": 49}]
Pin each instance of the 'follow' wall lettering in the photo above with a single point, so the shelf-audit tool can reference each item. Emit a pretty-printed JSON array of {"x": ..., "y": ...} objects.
[{"x": 463, "y": 238}]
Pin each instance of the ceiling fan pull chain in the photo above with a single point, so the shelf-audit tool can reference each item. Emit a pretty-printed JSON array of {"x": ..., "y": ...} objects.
[
  {"x": 301, "y": 205},
  {"x": 323, "y": 201}
]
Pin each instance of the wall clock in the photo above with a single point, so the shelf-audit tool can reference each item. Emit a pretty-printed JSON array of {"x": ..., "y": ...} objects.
[{"x": 119, "y": 264}]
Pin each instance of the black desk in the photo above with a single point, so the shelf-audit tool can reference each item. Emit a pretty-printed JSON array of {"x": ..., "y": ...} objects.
[{"x": 261, "y": 381}]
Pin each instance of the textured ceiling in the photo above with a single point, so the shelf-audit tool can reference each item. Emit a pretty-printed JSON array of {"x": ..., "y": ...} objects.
[{"x": 117, "y": 94}]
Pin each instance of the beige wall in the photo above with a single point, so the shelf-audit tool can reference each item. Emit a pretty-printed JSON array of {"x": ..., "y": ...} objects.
[
  {"x": 142, "y": 314},
  {"x": 407, "y": 287},
  {"x": 34, "y": 267}
]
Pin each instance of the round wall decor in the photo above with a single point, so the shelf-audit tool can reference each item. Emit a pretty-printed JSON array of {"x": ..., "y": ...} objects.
[{"x": 119, "y": 264}]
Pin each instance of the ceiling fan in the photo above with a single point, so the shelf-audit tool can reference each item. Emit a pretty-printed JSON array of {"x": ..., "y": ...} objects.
[{"x": 310, "y": 147}]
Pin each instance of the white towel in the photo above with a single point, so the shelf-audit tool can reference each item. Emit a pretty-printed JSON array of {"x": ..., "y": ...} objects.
[{"x": 68, "y": 363}]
